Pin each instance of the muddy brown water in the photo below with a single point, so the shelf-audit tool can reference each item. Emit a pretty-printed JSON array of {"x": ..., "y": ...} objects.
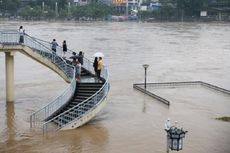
[{"x": 131, "y": 122}]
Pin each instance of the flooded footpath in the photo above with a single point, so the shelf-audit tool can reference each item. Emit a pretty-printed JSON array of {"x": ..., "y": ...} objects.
[{"x": 131, "y": 122}]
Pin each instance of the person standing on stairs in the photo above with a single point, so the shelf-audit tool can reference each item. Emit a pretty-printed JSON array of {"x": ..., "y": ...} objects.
[
  {"x": 95, "y": 63},
  {"x": 21, "y": 34},
  {"x": 80, "y": 57},
  {"x": 99, "y": 68},
  {"x": 64, "y": 47},
  {"x": 54, "y": 45},
  {"x": 78, "y": 71}
]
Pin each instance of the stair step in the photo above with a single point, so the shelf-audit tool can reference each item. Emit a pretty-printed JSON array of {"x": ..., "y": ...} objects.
[
  {"x": 77, "y": 101},
  {"x": 89, "y": 84},
  {"x": 69, "y": 107},
  {"x": 81, "y": 97},
  {"x": 72, "y": 105},
  {"x": 84, "y": 94},
  {"x": 87, "y": 91},
  {"x": 94, "y": 89}
]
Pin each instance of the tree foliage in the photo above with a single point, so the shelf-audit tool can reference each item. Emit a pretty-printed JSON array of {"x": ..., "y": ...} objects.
[
  {"x": 93, "y": 10},
  {"x": 169, "y": 9},
  {"x": 9, "y": 6},
  {"x": 31, "y": 12},
  {"x": 190, "y": 7},
  {"x": 177, "y": 8}
]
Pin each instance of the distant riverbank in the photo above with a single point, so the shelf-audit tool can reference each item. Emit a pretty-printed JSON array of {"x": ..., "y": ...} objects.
[{"x": 123, "y": 19}]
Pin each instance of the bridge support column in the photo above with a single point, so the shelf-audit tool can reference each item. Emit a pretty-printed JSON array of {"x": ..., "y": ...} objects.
[{"x": 9, "y": 59}]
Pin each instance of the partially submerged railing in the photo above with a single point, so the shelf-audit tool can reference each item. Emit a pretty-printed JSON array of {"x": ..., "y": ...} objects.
[
  {"x": 140, "y": 87},
  {"x": 82, "y": 108},
  {"x": 87, "y": 105},
  {"x": 12, "y": 38},
  {"x": 39, "y": 116}
]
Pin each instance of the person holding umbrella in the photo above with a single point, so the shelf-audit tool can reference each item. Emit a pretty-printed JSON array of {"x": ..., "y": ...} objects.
[
  {"x": 98, "y": 54},
  {"x": 98, "y": 57},
  {"x": 78, "y": 71},
  {"x": 99, "y": 68}
]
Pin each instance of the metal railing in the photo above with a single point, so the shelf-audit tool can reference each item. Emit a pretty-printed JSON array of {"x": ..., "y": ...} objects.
[
  {"x": 88, "y": 65},
  {"x": 82, "y": 108},
  {"x": 44, "y": 49},
  {"x": 12, "y": 38},
  {"x": 140, "y": 87}
]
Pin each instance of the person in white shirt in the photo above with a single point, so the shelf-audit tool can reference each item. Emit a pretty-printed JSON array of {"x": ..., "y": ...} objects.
[
  {"x": 54, "y": 45},
  {"x": 21, "y": 33},
  {"x": 78, "y": 71}
]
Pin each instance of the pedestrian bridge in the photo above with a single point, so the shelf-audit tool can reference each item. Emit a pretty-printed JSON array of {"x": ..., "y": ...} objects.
[{"x": 80, "y": 101}]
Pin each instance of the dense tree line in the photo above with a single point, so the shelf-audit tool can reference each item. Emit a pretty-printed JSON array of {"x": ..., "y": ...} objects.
[
  {"x": 93, "y": 11},
  {"x": 170, "y": 9},
  {"x": 174, "y": 9},
  {"x": 9, "y": 6},
  {"x": 36, "y": 10}
]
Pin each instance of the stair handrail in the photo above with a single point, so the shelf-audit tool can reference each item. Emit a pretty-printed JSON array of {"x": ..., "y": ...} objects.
[
  {"x": 58, "y": 102},
  {"x": 95, "y": 98},
  {"x": 12, "y": 38},
  {"x": 89, "y": 64},
  {"x": 46, "y": 48},
  {"x": 59, "y": 49}
]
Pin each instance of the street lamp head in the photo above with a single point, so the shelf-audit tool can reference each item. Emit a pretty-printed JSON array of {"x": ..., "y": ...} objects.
[
  {"x": 145, "y": 66},
  {"x": 175, "y": 138}
]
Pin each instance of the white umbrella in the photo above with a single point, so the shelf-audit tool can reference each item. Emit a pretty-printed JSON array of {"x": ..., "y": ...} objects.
[{"x": 98, "y": 54}]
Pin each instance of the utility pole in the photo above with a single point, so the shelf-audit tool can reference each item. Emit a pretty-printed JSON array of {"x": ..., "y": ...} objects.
[
  {"x": 43, "y": 7},
  {"x": 127, "y": 8},
  {"x": 56, "y": 9},
  {"x": 68, "y": 9}
]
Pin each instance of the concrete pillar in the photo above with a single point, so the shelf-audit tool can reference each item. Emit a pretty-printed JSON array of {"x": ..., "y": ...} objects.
[{"x": 9, "y": 59}]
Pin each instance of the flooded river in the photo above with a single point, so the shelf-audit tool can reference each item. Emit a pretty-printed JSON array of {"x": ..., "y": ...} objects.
[{"x": 131, "y": 122}]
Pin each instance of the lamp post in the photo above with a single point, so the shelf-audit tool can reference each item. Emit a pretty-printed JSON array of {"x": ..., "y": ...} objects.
[
  {"x": 145, "y": 66},
  {"x": 127, "y": 8}
]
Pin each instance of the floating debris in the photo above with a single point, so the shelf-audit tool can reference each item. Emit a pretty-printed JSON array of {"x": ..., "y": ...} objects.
[{"x": 224, "y": 118}]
